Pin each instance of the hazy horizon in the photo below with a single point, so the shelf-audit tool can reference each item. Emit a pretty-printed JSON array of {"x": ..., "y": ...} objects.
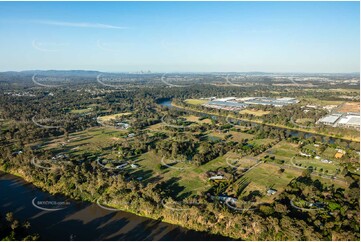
[
  {"x": 277, "y": 37},
  {"x": 160, "y": 72}
]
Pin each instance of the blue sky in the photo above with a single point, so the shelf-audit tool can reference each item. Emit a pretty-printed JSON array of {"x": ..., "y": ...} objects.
[{"x": 181, "y": 36}]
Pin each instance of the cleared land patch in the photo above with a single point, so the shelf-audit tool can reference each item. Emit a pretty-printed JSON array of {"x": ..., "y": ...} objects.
[
  {"x": 234, "y": 160},
  {"x": 113, "y": 116},
  {"x": 196, "y": 101},
  {"x": 81, "y": 111},
  {"x": 315, "y": 101},
  {"x": 349, "y": 107},
  {"x": 196, "y": 119}
]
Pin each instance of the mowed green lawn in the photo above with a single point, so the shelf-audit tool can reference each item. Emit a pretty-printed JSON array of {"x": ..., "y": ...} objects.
[
  {"x": 268, "y": 175},
  {"x": 284, "y": 150}
]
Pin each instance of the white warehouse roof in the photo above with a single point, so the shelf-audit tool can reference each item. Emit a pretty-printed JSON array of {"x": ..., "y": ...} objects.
[
  {"x": 286, "y": 99},
  {"x": 330, "y": 119},
  {"x": 350, "y": 120},
  {"x": 225, "y": 99}
]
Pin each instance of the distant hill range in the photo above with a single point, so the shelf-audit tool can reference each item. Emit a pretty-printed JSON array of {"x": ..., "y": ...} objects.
[
  {"x": 91, "y": 73},
  {"x": 77, "y": 73}
]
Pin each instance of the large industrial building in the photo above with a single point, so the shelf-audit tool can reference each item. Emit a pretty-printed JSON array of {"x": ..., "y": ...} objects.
[
  {"x": 276, "y": 102},
  {"x": 233, "y": 103},
  {"x": 346, "y": 120},
  {"x": 349, "y": 121},
  {"x": 329, "y": 119}
]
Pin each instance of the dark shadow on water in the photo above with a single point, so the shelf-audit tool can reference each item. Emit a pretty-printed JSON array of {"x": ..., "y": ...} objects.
[{"x": 84, "y": 220}]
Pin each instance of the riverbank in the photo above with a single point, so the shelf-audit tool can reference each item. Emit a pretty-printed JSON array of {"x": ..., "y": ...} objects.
[
  {"x": 34, "y": 187},
  {"x": 267, "y": 124}
]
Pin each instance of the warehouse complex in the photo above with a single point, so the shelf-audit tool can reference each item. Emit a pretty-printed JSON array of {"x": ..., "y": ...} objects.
[
  {"x": 346, "y": 120},
  {"x": 334, "y": 119},
  {"x": 233, "y": 103}
]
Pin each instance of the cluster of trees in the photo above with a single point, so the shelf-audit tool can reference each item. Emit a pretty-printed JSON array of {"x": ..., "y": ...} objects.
[
  {"x": 199, "y": 152},
  {"x": 339, "y": 217},
  {"x": 12, "y": 229}
]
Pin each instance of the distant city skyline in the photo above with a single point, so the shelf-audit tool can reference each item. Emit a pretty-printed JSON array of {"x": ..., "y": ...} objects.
[{"x": 284, "y": 37}]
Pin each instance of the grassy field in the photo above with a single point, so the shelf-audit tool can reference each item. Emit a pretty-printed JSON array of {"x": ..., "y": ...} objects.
[
  {"x": 196, "y": 101},
  {"x": 329, "y": 153},
  {"x": 257, "y": 142},
  {"x": 156, "y": 127},
  {"x": 313, "y": 148},
  {"x": 315, "y": 101},
  {"x": 191, "y": 180},
  {"x": 339, "y": 90},
  {"x": 304, "y": 121},
  {"x": 257, "y": 113},
  {"x": 80, "y": 111},
  {"x": 185, "y": 182},
  {"x": 289, "y": 153},
  {"x": 325, "y": 168},
  {"x": 269, "y": 175},
  {"x": 90, "y": 140},
  {"x": 284, "y": 150},
  {"x": 234, "y": 160},
  {"x": 236, "y": 136},
  {"x": 195, "y": 119},
  {"x": 265, "y": 176}
]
